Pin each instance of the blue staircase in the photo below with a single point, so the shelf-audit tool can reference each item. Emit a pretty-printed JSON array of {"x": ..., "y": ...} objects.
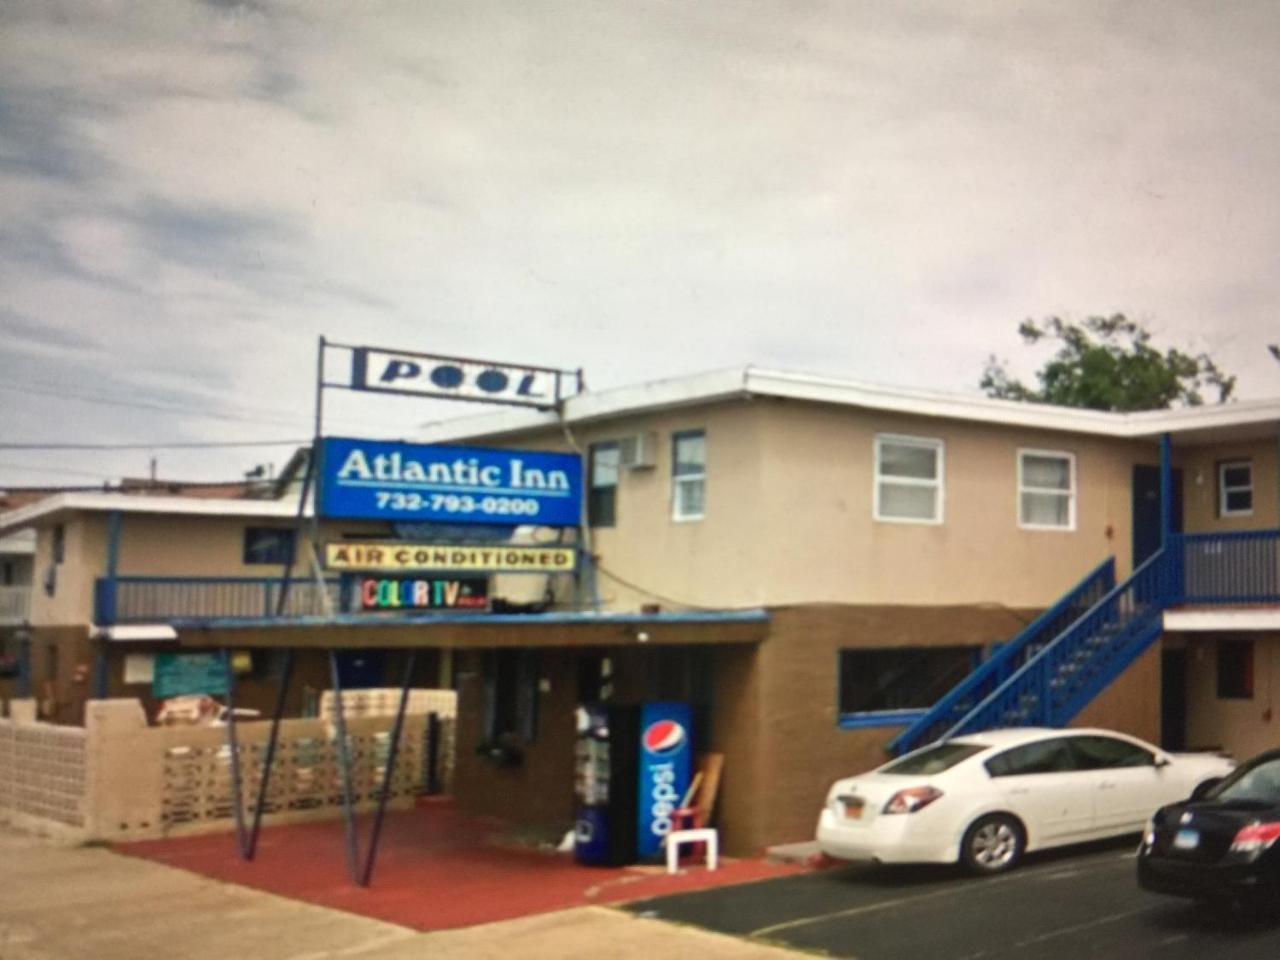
[
  {"x": 1008, "y": 660},
  {"x": 1053, "y": 686}
]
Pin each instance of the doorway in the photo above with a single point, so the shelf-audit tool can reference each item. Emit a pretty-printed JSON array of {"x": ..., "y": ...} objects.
[
  {"x": 1173, "y": 698},
  {"x": 1146, "y": 510}
]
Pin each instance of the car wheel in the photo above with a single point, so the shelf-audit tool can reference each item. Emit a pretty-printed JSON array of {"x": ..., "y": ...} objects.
[{"x": 992, "y": 844}]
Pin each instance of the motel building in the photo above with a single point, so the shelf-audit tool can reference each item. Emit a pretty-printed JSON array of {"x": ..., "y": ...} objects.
[{"x": 824, "y": 571}]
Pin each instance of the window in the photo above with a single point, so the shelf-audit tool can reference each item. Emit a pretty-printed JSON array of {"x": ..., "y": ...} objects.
[
  {"x": 689, "y": 475},
  {"x": 908, "y": 480},
  {"x": 1046, "y": 490},
  {"x": 268, "y": 545},
  {"x": 602, "y": 497},
  {"x": 1106, "y": 753},
  {"x": 511, "y": 695},
  {"x": 934, "y": 759},
  {"x": 1235, "y": 669},
  {"x": 1235, "y": 488},
  {"x": 59, "y": 543},
  {"x": 1046, "y": 756},
  {"x": 900, "y": 678}
]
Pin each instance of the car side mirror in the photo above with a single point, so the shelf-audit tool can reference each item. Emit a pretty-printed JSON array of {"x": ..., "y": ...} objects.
[
  {"x": 1202, "y": 789},
  {"x": 1161, "y": 762}
]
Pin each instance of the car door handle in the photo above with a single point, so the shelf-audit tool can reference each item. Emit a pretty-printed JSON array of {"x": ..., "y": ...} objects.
[
  {"x": 1106, "y": 786},
  {"x": 1020, "y": 790}
]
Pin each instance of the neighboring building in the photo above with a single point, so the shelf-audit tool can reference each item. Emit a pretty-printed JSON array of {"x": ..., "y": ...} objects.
[
  {"x": 16, "y": 553},
  {"x": 812, "y": 563}
]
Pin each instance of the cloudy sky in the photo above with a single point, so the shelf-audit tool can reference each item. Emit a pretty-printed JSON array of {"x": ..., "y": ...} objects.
[{"x": 191, "y": 193}]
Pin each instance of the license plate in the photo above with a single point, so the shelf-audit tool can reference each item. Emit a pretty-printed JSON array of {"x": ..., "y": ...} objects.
[
  {"x": 1186, "y": 839},
  {"x": 852, "y": 809}
]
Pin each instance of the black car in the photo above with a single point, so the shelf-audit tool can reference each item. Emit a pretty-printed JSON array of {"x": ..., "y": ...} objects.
[{"x": 1222, "y": 842}]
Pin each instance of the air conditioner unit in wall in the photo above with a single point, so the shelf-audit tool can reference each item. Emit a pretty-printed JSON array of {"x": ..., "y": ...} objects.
[{"x": 638, "y": 451}]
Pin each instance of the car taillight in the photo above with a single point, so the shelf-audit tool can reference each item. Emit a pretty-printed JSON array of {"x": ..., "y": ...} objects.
[
  {"x": 1255, "y": 837},
  {"x": 911, "y": 799}
]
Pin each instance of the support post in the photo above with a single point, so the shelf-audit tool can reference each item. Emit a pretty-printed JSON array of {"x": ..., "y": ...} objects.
[
  {"x": 272, "y": 739},
  {"x": 237, "y": 783},
  {"x": 344, "y": 764},
  {"x": 1166, "y": 489},
  {"x": 387, "y": 774}
]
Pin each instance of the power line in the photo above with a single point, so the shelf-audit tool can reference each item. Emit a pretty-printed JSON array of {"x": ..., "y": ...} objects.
[
  {"x": 32, "y": 468},
  {"x": 179, "y": 445}
]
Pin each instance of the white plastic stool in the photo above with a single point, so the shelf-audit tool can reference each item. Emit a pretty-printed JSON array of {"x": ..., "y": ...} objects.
[{"x": 707, "y": 835}]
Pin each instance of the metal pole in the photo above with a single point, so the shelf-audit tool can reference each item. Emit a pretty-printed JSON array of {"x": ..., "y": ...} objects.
[
  {"x": 237, "y": 785},
  {"x": 390, "y": 770},
  {"x": 267, "y": 761},
  {"x": 344, "y": 763},
  {"x": 307, "y": 478}
]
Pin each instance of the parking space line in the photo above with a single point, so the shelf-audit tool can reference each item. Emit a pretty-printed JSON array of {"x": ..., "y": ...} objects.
[
  {"x": 1047, "y": 873},
  {"x": 1078, "y": 927}
]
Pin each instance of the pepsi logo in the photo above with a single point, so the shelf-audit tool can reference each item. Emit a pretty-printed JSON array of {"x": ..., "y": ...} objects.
[{"x": 663, "y": 736}]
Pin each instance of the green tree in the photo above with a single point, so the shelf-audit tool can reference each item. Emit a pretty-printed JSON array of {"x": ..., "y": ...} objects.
[{"x": 1108, "y": 363}]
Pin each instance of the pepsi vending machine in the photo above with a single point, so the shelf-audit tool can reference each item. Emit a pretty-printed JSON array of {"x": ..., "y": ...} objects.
[{"x": 632, "y": 768}]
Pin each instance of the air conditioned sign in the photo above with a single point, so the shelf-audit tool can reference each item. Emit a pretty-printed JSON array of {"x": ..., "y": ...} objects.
[
  {"x": 495, "y": 558},
  {"x": 422, "y": 593},
  {"x": 426, "y": 375},
  {"x": 407, "y": 482}
]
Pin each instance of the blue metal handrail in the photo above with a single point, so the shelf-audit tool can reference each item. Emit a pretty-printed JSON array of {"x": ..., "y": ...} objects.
[
  {"x": 141, "y": 599},
  {"x": 983, "y": 681},
  {"x": 1055, "y": 684}
]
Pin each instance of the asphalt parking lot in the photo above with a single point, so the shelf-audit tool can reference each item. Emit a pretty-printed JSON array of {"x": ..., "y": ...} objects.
[{"x": 1085, "y": 903}]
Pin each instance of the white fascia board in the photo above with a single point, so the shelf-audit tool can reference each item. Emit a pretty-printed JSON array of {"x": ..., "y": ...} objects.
[
  {"x": 750, "y": 381},
  {"x": 1212, "y": 620},
  {"x": 21, "y": 543},
  {"x": 131, "y": 503},
  {"x": 933, "y": 404}
]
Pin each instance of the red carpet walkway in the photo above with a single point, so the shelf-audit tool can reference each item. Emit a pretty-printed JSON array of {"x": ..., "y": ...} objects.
[{"x": 437, "y": 869}]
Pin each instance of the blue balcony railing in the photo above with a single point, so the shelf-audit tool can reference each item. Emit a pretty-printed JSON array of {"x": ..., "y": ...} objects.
[
  {"x": 1242, "y": 567},
  {"x": 152, "y": 599}
]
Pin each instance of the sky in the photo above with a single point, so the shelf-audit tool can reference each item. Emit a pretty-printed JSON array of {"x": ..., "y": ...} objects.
[{"x": 191, "y": 193}]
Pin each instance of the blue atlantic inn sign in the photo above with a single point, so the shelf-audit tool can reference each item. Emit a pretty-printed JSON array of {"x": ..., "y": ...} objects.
[{"x": 407, "y": 482}]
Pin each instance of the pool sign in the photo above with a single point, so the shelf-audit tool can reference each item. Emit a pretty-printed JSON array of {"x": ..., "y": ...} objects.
[
  {"x": 408, "y": 482},
  {"x": 428, "y": 375},
  {"x": 422, "y": 593}
]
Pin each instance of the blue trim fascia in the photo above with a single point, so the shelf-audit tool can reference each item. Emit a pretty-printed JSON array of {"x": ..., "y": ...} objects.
[
  {"x": 879, "y": 718},
  {"x": 587, "y": 618}
]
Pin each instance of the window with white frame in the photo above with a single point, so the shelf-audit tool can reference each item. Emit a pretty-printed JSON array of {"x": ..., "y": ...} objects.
[
  {"x": 1235, "y": 488},
  {"x": 1046, "y": 490},
  {"x": 908, "y": 479},
  {"x": 689, "y": 475}
]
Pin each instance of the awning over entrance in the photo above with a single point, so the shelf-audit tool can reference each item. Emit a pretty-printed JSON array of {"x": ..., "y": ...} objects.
[{"x": 461, "y": 631}]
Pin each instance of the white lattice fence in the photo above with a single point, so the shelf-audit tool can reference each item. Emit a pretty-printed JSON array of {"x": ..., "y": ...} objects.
[{"x": 42, "y": 775}]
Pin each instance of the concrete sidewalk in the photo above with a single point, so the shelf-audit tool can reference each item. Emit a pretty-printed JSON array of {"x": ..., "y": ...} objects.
[{"x": 67, "y": 903}]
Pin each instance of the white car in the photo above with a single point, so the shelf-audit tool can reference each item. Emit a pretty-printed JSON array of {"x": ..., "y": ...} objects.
[{"x": 987, "y": 798}]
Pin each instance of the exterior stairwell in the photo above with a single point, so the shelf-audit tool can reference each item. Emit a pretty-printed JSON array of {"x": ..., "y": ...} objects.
[
  {"x": 1008, "y": 660},
  {"x": 1048, "y": 673}
]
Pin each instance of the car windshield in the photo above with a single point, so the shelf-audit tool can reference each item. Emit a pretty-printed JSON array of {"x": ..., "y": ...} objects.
[
  {"x": 1259, "y": 783},
  {"x": 935, "y": 759}
]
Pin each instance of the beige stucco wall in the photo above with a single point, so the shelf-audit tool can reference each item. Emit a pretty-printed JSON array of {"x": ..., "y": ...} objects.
[
  {"x": 1200, "y": 485},
  {"x": 817, "y": 512},
  {"x": 84, "y": 560},
  {"x": 1241, "y": 727}
]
